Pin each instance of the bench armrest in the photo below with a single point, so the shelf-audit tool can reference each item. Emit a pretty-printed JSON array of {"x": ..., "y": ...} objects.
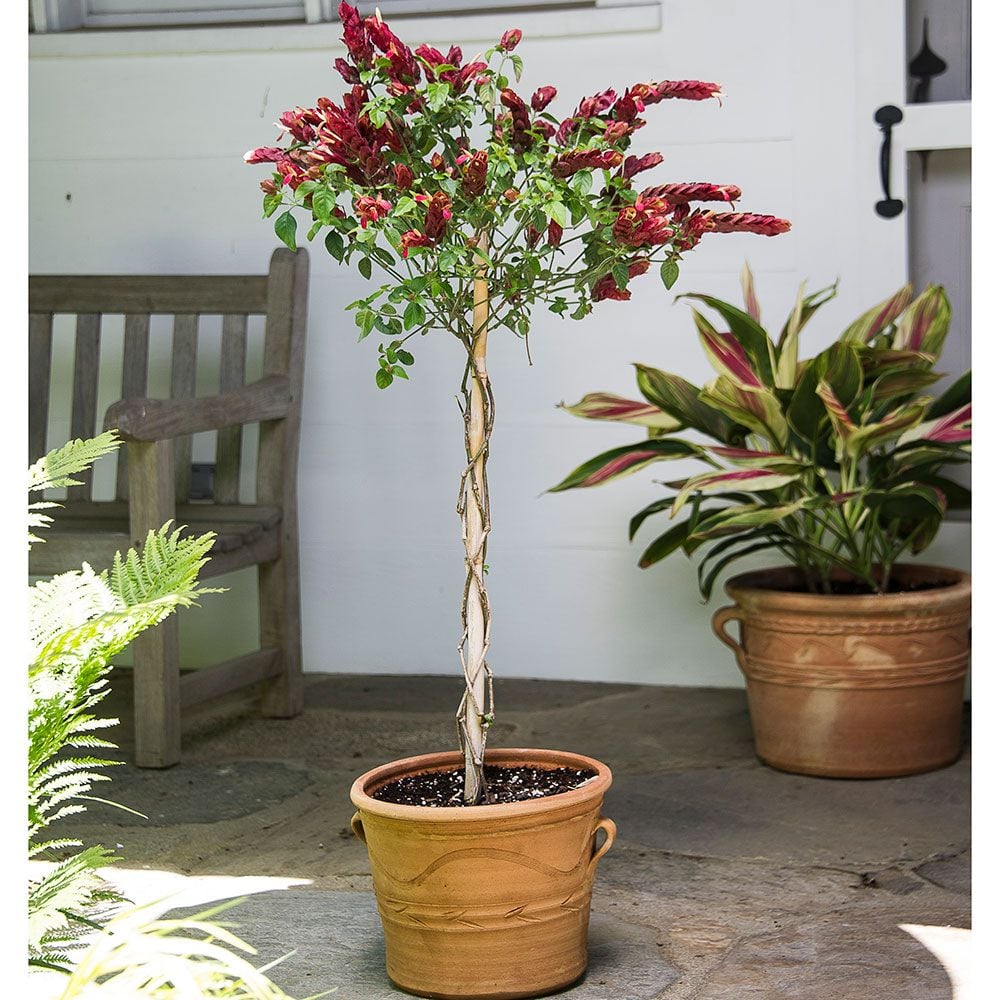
[{"x": 142, "y": 419}]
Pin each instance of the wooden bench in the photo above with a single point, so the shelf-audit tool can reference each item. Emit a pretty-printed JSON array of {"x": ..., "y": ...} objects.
[{"x": 154, "y": 468}]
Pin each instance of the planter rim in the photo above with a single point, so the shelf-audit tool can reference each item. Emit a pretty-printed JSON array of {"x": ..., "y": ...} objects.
[
  {"x": 444, "y": 760},
  {"x": 759, "y": 584}
]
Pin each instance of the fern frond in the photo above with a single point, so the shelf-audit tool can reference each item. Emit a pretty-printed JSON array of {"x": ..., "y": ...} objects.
[
  {"x": 71, "y": 886},
  {"x": 59, "y": 466}
]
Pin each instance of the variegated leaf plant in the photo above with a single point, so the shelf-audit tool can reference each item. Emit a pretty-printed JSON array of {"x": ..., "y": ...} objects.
[{"x": 837, "y": 462}]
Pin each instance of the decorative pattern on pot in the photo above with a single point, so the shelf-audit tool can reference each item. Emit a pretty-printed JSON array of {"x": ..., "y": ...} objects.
[
  {"x": 853, "y": 686},
  {"x": 485, "y": 901}
]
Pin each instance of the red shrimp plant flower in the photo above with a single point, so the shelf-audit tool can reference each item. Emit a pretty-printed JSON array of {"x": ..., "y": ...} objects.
[
  {"x": 433, "y": 169},
  {"x": 838, "y": 462}
]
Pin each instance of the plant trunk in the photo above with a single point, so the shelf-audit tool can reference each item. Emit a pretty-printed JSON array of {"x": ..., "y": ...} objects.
[{"x": 475, "y": 712}]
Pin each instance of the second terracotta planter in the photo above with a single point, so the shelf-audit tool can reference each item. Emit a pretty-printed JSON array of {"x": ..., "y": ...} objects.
[
  {"x": 485, "y": 901},
  {"x": 865, "y": 686}
]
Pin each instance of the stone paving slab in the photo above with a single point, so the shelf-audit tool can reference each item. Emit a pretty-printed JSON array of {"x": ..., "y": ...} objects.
[
  {"x": 793, "y": 819},
  {"x": 337, "y": 939}
]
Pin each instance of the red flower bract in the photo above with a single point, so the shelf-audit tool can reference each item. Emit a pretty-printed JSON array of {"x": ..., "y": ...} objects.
[
  {"x": 685, "y": 90},
  {"x": 355, "y": 37},
  {"x": 542, "y": 97},
  {"x": 635, "y": 164},
  {"x": 585, "y": 159},
  {"x": 607, "y": 287},
  {"x": 510, "y": 39},
  {"x": 474, "y": 176},
  {"x": 642, "y": 225},
  {"x": 747, "y": 222},
  {"x": 404, "y": 176},
  {"x": 412, "y": 238},
  {"x": 263, "y": 154},
  {"x": 438, "y": 214},
  {"x": 683, "y": 193},
  {"x": 371, "y": 210}
]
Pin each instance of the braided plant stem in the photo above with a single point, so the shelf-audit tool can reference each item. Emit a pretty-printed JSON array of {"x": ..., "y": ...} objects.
[{"x": 475, "y": 711}]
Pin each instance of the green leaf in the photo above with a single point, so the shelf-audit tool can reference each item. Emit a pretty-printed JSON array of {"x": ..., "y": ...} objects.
[
  {"x": 284, "y": 228},
  {"x": 405, "y": 357},
  {"x": 707, "y": 582},
  {"x": 958, "y": 394},
  {"x": 666, "y": 543},
  {"x": 582, "y": 182},
  {"x": 324, "y": 201},
  {"x": 271, "y": 203},
  {"x": 619, "y": 272},
  {"x": 414, "y": 315},
  {"x": 334, "y": 243},
  {"x": 383, "y": 378},
  {"x": 556, "y": 211},
  {"x": 669, "y": 272},
  {"x": 365, "y": 267},
  {"x": 437, "y": 95},
  {"x": 518, "y": 64}
]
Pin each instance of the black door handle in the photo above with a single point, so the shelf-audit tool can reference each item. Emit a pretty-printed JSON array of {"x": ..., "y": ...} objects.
[{"x": 887, "y": 116}]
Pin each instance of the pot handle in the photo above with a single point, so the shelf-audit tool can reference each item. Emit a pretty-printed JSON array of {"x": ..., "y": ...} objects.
[
  {"x": 610, "y": 832},
  {"x": 719, "y": 620},
  {"x": 358, "y": 827}
]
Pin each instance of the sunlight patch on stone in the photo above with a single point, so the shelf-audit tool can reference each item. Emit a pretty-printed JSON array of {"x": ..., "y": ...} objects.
[{"x": 952, "y": 947}]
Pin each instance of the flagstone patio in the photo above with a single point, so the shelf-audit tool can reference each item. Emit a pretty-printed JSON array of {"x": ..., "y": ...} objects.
[{"x": 728, "y": 879}]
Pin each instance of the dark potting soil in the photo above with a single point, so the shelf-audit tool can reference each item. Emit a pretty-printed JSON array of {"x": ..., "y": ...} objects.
[
  {"x": 855, "y": 588},
  {"x": 503, "y": 784}
]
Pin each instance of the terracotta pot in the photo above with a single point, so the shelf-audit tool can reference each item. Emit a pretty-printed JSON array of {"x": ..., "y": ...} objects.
[
  {"x": 861, "y": 686},
  {"x": 485, "y": 901}
]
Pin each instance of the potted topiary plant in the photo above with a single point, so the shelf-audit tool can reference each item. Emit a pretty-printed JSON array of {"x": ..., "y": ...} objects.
[
  {"x": 855, "y": 663},
  {"x": 478, "y": 205}
]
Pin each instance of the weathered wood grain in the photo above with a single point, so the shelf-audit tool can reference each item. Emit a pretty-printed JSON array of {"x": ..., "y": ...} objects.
[
  {"x": 83, "y": 415},
  {"x": 135, "y": 377},
  {"x": 171, "y": 294},
  {"x": 39, "y": 374},
  {"x": 151, "y": 419},
  {"x": 232, "y": 376}
]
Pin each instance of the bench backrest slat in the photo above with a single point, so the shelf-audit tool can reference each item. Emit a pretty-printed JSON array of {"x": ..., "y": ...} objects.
[
  {"x": 279, "y": 296},
  {"x": 135, "y": 379},
  {"x": 83, "y": 416},
  {"x": 232, "y": 375},
  {"x": 39, "y": 373},
  {"x": 183, "y": 374}
]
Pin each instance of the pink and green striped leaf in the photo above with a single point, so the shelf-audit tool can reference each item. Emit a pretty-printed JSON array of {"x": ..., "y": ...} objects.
[
  {"x": 867, "y": 436},
  {"x": 876, "y": 319},
  {"x": 751, "y": 305},
  {"x": 752, "y": 336},
  {"x": 726, "y": 354},
  {"x": 896, "y": 384},
  {"x": 623, "y": 461},
  {"x": 608, "y": 406},
  {"x": 749, "y": 480},
  {"x": 749, "y": 458},
  {"x": 839, "y": 417},
  {"x": 744, "y": 517},
  {"x": 757, "y": 409},
  {"x": 679, "y": 398},
  {"x": 924, "y": 325},
  {"x": 953, "y": 428}
]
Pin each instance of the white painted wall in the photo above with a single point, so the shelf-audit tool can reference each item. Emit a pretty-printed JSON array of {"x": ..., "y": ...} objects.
[{"x": 136, "y": 167}]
